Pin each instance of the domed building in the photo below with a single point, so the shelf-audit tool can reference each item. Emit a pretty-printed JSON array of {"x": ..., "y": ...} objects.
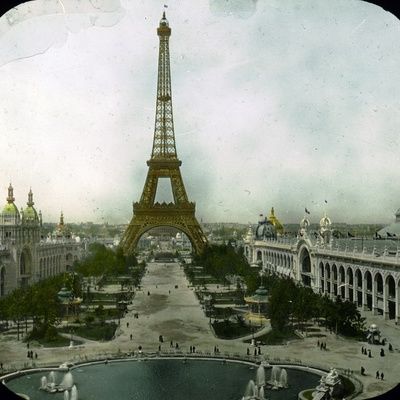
[
  {"x": 10, "y": 215},
  {"x": 265, "y": 229},
  {"x": 25, "y": 257},
  {"x": 62, "y": 230}
]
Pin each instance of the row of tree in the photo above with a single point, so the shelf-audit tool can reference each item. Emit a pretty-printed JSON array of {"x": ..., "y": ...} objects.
[
  {"x": 223, "y": 261},
  {"x": 290, "y": 301},
  {"x": 40, "y": 303},
  {"x": 105, "y": 261}
]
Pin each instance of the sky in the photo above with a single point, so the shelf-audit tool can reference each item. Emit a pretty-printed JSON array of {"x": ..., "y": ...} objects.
[{"x": 288, "y": 104}]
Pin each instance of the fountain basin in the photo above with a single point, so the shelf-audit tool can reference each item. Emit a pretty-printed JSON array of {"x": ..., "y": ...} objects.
[{"x": 158, "y": 379}]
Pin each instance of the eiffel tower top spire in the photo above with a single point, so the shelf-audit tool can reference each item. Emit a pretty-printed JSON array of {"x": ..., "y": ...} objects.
[{"x": 164, "y": 137}]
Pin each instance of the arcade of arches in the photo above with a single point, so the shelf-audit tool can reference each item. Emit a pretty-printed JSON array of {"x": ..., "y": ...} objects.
[
  {"x": 375, "y": 290},
  {"x": 371, "y": 284}
]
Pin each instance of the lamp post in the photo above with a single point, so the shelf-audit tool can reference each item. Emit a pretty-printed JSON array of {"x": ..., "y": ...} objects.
[{"x": 291, "y": 313}]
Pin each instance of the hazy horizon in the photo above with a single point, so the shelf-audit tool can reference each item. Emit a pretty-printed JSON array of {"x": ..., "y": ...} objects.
[{"x": 288, "y": 105}]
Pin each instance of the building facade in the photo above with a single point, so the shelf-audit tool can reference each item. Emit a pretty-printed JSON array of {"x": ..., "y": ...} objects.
[
  {"x": 364, "y": 271},
  {"x": 25, "y": 255}
]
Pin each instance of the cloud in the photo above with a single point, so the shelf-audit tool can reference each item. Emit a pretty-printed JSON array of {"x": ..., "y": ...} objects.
[{"x": 294, "y": 102}]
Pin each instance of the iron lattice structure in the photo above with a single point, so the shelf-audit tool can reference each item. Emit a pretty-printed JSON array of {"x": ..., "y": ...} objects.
[{"x": 164, "y": 163}]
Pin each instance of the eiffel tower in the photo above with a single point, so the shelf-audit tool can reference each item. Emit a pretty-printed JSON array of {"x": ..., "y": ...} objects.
[{"x": 164, "y": 163}]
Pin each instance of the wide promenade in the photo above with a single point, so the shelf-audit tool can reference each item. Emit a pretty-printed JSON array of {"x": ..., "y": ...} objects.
[{"x": 166, "y": 305}]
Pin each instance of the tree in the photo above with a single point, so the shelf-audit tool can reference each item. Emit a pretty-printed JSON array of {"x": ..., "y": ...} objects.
[
  {"x": 105, "y": 261},
  {"x": 303, "y": 304},
  {"x": 279, "y": 306}
]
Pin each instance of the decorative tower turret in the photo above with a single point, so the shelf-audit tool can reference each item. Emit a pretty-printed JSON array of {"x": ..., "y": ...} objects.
[
  {"x": 30, "y": 215},
  {"x": 10, "y": 197},
  {"x": 325, "y": 229},
  {"x": 30, "y": 202},
  {"x": 10, "y": 219},
  {"x": 164, "y": 163},
  {"x": 30, "y": 221}
]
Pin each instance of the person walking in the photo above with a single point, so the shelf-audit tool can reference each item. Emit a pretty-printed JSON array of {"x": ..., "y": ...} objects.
[
  {"x": 362, "y": 370},
  {"x": 382, "y": 376},
  {"x": 377, "y": 374}
]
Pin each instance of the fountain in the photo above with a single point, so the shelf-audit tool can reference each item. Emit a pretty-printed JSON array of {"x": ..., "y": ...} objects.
[
  {"x": 236, "y": 377},
  {"x": 52, "y": 377},
  {"x": 278, "y": 378},
  {"x": 67, "y": 382},
  {"x": 256, "y": 390},
  {"x": 74, "y": 393},
  {"x": 275, "y": 376},
  {"x": 49, "y": 384},
  {"x": 251, "y": 390},
  {"x": 283, "y": 379},
  {"x": 260, "y": 379},
  {"x": 43, "y": 383}
]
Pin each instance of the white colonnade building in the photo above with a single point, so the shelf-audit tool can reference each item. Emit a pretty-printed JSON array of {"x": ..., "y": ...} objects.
[{"x": 364, "y": 271}]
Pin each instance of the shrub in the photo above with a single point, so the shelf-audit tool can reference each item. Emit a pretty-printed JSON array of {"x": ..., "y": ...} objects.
[{"x": 89, "y": 319}]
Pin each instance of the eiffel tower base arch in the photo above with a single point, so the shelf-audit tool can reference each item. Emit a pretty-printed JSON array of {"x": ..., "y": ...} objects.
[{"x": 164, "y": 215}]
